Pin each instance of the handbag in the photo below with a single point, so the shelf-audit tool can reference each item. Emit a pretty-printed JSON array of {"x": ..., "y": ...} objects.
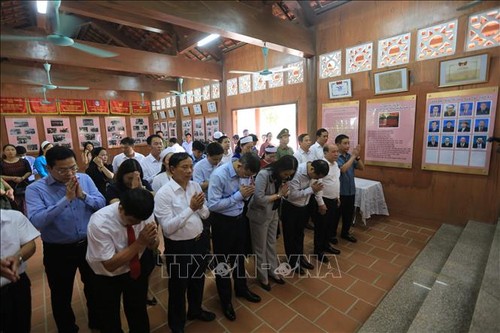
[{"x": 20, "y": 189}]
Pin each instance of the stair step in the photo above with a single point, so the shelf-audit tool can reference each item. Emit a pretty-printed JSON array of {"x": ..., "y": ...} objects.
[
  {"x": 396, "y": 311},
  {"x": 449, "y": 305},
  {"x": 486, "y": 316}
]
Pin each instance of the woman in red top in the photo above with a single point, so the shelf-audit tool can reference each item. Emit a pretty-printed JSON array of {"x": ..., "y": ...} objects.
[
  {"x": 268, "y": 157},
  {"x": 15, "y": 171}
]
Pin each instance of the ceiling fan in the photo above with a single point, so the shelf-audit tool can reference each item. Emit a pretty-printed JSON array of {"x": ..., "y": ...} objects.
[
  {"x": 45, "y": 101},
  {"x": 51, "y": 86},
  {"x": 180, "y": 91},
  {"x": 57, "y": 38},
  {"x": 266, "y": 72}
]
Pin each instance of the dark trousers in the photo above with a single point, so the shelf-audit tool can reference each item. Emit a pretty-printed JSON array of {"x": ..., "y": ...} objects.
[
  {"x": 109, "y": 290},
  {"x": 294, "y": 220},
  {"x": 186, "y": 263},
  {"x": 347, "y": 213},
  {"x": 61, "y": 262},
  {"x": 228, "y": 238},
  {"x": 15, "y": 311},
  {"x": 324, "y": 224}
]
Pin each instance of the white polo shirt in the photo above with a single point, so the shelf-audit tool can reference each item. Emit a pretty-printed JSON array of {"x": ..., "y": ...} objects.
[{"x": 118, "y": 160}]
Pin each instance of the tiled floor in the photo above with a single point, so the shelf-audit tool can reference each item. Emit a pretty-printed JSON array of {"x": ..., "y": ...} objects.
[{"x": 340, "y": 300}]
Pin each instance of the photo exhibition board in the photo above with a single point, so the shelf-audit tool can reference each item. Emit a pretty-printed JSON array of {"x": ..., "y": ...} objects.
[
  {"x": 458, "y": 124},
  {"x": 199, "y": 129},
  {"x": 140, "y": 129},
  {"x": 172, "y": 129},
  {"x": 115, "y": 131},
  {"x": 211, "y": 126},
  {"x": 23, "y": 132},
  {"x": 89, "y": 129},
  {"x": 58, "y": 131},
  {"x": 389, "y": 134},
  {"x": 341, "y": 118},
  {"x": 187, "y": 127}
]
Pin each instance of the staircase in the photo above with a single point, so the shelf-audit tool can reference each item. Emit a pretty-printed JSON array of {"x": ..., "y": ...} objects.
[{"x": 452, "y": 286}]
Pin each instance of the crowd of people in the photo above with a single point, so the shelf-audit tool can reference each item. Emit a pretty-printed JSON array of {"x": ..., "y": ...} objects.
[{"x": 212, "y": 204}]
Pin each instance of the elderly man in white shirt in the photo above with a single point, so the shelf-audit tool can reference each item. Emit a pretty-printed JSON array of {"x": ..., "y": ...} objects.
[
  {"x": 151, "y": 164},
  {"x": 180, "y": 208},
  {"x": 177, "y": 148},
  {"x": 304, "y": 153},
  {"x": 18, "y": 245},
  {"x": 325, "y": 210},
  {"x": 317, "y": 147},
  {"x": 127, "y": 146}
]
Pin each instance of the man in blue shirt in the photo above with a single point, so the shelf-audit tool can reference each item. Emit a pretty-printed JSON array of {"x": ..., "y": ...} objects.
[
  {"x": 347, "y": 163},
  {"x": 226, "y": 198},
  {"x": 60, "y": 206}
]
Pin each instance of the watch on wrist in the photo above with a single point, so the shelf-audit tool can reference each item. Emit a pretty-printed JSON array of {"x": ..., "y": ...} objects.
[
  {"x": 84, "y": 196},
  {"x": 20, "y": 259},
  {"x": 358, "y": 158}
]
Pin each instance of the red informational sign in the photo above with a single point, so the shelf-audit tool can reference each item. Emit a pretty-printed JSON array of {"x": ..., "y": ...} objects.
[
  {"x": 97, "y": 106},
  {"x": 71, "y": 106},
  {"x": 13, "y": 105},
  {"x": 39, "y": 106},
  {"x": 140, "y": 108},
  {"x": 119, "y": 107}
]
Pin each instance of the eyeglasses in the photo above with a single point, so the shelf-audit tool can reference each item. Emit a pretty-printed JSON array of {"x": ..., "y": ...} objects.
[{"x": 65, "y": 171}]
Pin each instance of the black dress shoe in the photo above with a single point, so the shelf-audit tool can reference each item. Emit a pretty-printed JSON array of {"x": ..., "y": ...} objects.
[
  {"x": 249, "y": 296},
  {"x": 179, "y": 330},
  {"x": 350, "y": 238},
  {"x": 277, "y": 280},
  {"x": 229, "y": 312},
  {"x": 306, "y": 264},
  {"x": 152, "y": 301},
  {"x": 334, "y": 240},
  {"x": 203, "y": 316},
  {"x": 266, "y": 287},
  {"x": 321, "y": 257},
  {"x": 300, "y": 271},
  {"x": 331, "y": 249}
]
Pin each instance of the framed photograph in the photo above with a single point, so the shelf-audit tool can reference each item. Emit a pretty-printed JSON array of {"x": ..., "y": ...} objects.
[
  {"x": 461, "y": 71},
  {"x": 340, "y": 89},
  {"x": 155, "y": 116},
  {"x": 171, "y": 113},
  {"x": 391, "y": 81},
  {"x": 185, "y": 111},
  {"x": 197, "y": 109},
  {"x": 211, "y": 107}
]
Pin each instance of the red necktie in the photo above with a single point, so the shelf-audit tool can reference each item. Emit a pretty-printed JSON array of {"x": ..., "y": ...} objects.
[{"x": 135, "y": 264}]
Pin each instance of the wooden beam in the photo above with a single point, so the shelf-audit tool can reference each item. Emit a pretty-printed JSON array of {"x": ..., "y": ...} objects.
[
  {"x": 128, "y": 60},
  {"x": 27, "y": 75},
  {"x": 305, "y": 13},
  {"x": 230, "y": 19},
  {"x": 93, "y": 9},
  {"x": 109, "y": 31},
  {"x": 189, "y": 43}
]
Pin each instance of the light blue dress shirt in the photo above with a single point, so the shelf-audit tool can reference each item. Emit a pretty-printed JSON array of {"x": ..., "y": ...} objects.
[
  {"x": 202, "y": 172},
  {"x": 347, "y": 185},
  {"x": 224, "y": 196},
  {"x": 61, "y": 221}
]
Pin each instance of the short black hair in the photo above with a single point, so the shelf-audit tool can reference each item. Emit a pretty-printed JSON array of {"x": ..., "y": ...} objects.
[
  {"x": 177, "y": 158},
  {"x": 138, "y": 203},
  {"x": 172, "y": 140},
  {"x": 302, "y": 136},
  {"x": 127, "y": 141},
  {"x": 236, "y": 137},
  {"x": 214, "y": 148},
  {"x": 187, "y": 133},
  {"x": 159, "y": 132},
  {"x": 96, "y": 151},
  {"x": 320, "y": 167},
  {"x": 20, "y": 150},
  {"x": 198, "y": 145},
  {"x": 340, "y": 137},
  {"x": 219, "y": 140},
  {"x": 87, "y": 143},
  {"x": 58, "y": 153},
  {"x": 320, "y": 132},
  {"x": 151, "y": 137},
  {"x": 250, "y": 162},
  {"x": 129, "y": 165},
  {"x": 255, "y": 138}
]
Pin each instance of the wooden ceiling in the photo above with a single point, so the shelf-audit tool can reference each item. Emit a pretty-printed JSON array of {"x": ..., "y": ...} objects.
[{"x": 155, "y": 40}]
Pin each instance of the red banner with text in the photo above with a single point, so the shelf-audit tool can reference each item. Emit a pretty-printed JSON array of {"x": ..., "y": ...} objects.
[
  {"x": 71, "y": 106},
  {"x": 43, "y": 106},
  {"x": 13, "y": 105},
  {"x": 140, "y": 108},
  {"x": 119, "y": 107},
  {"x": 97, "y": 106}
]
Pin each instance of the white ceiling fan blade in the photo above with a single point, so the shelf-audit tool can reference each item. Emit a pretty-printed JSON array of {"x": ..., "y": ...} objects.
[
  {"x": 94, "y": 50},
  {"x": 73, "y": 87},
  {"x": 47, "y": 66},
  {"x": 242, "y": 72},
  {"x": 284, "y": 69},
  {"x": 176, "y": 92}
]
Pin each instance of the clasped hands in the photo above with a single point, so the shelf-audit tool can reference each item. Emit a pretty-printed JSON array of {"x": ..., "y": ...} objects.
[{"x": 9, "y": 268}]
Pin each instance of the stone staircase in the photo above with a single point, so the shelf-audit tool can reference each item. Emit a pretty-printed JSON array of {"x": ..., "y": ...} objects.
[{"x": 452, "y": 286}]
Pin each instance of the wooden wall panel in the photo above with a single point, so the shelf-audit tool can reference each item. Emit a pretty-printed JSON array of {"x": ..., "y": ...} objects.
[
  {"x": 433, "y": 197},
  {"x": 10, "y": 90}
]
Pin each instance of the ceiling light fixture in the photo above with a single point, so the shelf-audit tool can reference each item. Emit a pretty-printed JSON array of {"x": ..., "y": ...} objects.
[
  {"x": 207, "y": 39},
  {"x": 41, "y": 7}
]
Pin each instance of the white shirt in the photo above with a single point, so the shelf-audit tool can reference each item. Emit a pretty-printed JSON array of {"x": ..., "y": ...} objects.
[
  {"x": 188, "y": 147},
  {"x": 177, "y": 219},
  {"x": 202, "y": 172},
  {"x": 331, "y": 182},
  {"x": 303, "y": 156},
  {"x": 177, "y": 148},
  {"x": 317, "y": 150},
  {"x": 15, "y": 230},
  {"x": 118, "y": 160},
  {"x": 107, "y": 236},
  {"x": 227, "y": 158},
  {"x": 159, "y": 181},
  {"x": 150, "y": 167},
  {"x": 300, "y": 189}
]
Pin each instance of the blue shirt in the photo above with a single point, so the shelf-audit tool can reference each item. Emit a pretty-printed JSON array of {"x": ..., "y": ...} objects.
[
  {"x": 61, "y": 221},
  {"x": 224, "y": 196},
  {"x": 347, "y": 186},
  {"x": 202, "y": 172},
  {"x": 41, "y": 166}
]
